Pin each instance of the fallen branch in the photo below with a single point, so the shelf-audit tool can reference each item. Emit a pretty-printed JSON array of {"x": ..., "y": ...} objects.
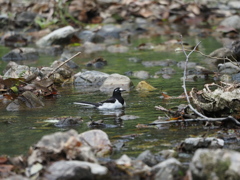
[
  {"x": 229, "y": 118},
  {"x": 184, "y": 79},
  {"x": 60, "y": 65}
]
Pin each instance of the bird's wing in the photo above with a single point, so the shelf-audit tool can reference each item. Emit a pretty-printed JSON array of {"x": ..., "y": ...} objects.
[{"x": 110, "y": 100}]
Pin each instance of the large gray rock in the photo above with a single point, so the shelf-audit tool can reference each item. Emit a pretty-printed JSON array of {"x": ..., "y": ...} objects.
[
  {"x": 90, "y": 78},
  {"x": 232, "y": 21},
  {"x": 218, "y": 164},
  {"x": 19, "y": 54},
  {"x": 57, "y": 35},
  {"x": 98, "y": 140},
  {"x": 114, "y": 81},
  {"x": 74, "y": 170},
  {"x": 169, "y": 169}
]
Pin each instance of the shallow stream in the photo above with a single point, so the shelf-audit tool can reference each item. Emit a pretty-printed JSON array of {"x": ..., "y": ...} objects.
[{"x": 20, "y": 130}]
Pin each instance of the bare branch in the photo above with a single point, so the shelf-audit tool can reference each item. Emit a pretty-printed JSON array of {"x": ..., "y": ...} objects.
[
  {"x": 184, "y": 79},
  {"x": 60, "y": 65}
]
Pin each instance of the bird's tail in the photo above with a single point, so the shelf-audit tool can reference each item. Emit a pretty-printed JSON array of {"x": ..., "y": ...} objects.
[{"x": 89, "y": 104}]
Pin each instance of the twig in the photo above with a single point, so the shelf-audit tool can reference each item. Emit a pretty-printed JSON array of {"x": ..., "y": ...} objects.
[
  {"x": 184, "y": 79},
  {"x": 60, "y": 65}
]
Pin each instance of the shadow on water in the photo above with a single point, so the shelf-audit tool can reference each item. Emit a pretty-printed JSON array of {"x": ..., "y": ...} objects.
[{"x": 20, "y": 130}]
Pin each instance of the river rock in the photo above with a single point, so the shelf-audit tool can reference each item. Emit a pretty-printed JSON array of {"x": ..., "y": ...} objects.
[
  {"x": 117, "y": 48},
  {"x": 90, "y": 47},
  {"x": 114, "y": 81},
  {"x": 148, "y": 158},
  {"x": 164, "y": 63},
  {"x": 25, "y": 18},
  {"x": 181, "y": 64},
  {"x": 19, "y": 54},
  {"x": 232, "y": 21},
  {"x": 229, "y": 68},
  {"x": 141, "y": 74},
  {"x": 74, "y": 170},
  {"x": 191, "y": 144},
  {"x": 62, "y": 34},
  {"x": 90, "y": 78},
  {"x": 98, "y": 140},
  {"x": 25, "y": 101},
  {"x": 169, "y": 169},
  {"x": 211, "y": 164}
]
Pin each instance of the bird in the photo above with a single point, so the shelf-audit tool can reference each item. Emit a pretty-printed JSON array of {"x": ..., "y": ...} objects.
[{"x": 114, "y": 102}]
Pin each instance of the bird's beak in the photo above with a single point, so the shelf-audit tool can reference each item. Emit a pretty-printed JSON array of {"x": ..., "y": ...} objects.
[{"x": 122, "y": 90}]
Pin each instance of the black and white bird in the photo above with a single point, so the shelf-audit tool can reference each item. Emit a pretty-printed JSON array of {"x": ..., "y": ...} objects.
[{"x": 114, "y": 102}]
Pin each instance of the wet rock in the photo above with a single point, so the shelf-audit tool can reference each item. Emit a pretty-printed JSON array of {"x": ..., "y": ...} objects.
[
  {"x": 86, "y": 35},
  {"x": 26, "y": 100},
  {"x": 19, "y": 54},
  {"x": 232, "y": 21},
  {"x": 13, "y": 70},
  {"x": 134, "y": 168},
  {"x": 58, "y": 36},
  {"x": 114, "y": 81},
  {"x": 141, "y": 74},
  {"x": 25, "y": 18},
  {"x": 169, "y": 169},
  {"x": 164, "y": 63},
  {"x": 117, "y": 49},
  {"x": 129, "y": 117},
  {"x": 98, "y": 140},
  {"x": 191, "y": 144},
  {"x": 90, "y": 47},
  {"x": 181, "y": 64},
  {"x": 97, "y": 63},
  {"x": 229, "y": 68},
  {"x": 12, "y": 39},
  {"x": 215, "y": 164},
  {"x": 166, "y": 70},
  {"x": 135, "y": 59},
  {"x": 90, "y": 78},
  {"x": 74, "y": 170},
  {"x": 69, "y": 121},
  {"x": 148, "y": 158},
  {"x": 144, "y": 86}
]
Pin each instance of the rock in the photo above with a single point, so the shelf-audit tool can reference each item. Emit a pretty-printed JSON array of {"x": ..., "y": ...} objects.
[
  {"x": 232, "y": 21},
  {"x": 69, "y": 121},
  {"x": 25, "y": 18},
  {"x": 16, "y": 177},
  {"x": 141, "y": 74},
  {"x": 114, "y": 81},
  {"x": 74, "y": 170},
  {"x": 211, "y": 164},
  {"x": 90, "y": 78},
  {"x": 62, "y": 34},
  {"x": 167, "y": 62},
  {"x": 191, "y": 144},
  {"x": 117, "y": 49},
  {"x": 148, "y": 158},
  {"x": 90, "y": 47},
  {"x": 86, "y": 35},
  {"x": 135, "y": 59},
  {"x": 129, "y": 117},
  {"x": 181, "y": 64},
  {"x": 228, "y": 68},
  {"x": 98, "y": 140},
  {"x": 144, "y": 86},
  {"x": 26, "y": 100},
  {"x": 50, "y": 146},
  {"x": 166, "y": 70},
  {"x": 14, "y": 39},
  {"x": 19, "y": 54},
  {"x": 134, "y": 168},
  {"x": 234, "y": 4},
  {"x": 169, "y": 169}
]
